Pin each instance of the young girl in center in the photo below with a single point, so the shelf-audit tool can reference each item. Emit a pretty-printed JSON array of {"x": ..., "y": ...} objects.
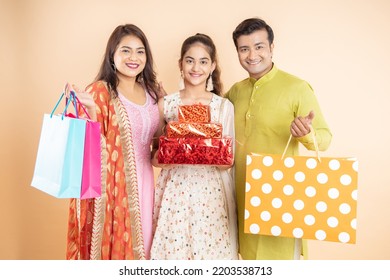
[{"x": 195, "y": 212}]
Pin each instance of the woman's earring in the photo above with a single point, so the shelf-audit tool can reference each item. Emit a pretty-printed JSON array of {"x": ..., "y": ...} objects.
[
  {"x": 140, "y": 77},
  {"x": 181, "y": 81},
  {"x": 210, "y": 86},
  {"x": 114, "y": 67}
]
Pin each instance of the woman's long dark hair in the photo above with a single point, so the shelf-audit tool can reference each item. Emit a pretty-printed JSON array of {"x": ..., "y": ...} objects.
[
  {"x": 209, "y": 44},
  {"x": 107, "y": 72}
]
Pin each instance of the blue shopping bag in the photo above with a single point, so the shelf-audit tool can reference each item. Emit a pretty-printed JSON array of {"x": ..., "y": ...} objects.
[{"x": 59, "y": 162}]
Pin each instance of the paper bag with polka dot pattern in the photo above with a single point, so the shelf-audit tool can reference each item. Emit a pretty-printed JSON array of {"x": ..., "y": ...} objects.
[{"x": 301, "y": 197}]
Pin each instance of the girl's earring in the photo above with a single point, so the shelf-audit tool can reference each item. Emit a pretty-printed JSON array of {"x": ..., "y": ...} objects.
[
  {"x": 181, "y": 81},
  {"x": 210, "y": 86}
]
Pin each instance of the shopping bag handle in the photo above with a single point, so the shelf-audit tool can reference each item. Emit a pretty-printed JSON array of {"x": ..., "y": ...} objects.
[
  {"x": 314, "y": 141},
  {"x": 72, "y": 98},
  {"x": 77, "y": 101},
  {"x": 81, "y": 105},
  {"x": 68, "y": 101}
]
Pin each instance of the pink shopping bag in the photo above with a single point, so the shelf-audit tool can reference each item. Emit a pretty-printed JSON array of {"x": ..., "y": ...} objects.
[
  {"x": 91, "y": 179},
  {"x": 91, "y": 186}
]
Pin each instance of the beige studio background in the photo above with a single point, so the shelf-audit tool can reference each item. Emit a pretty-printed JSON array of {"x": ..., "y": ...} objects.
[{"x": 340, "y": 47}]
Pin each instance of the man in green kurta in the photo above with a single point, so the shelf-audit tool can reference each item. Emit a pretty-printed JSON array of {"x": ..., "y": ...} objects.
[{"x": 269, "y": 106}]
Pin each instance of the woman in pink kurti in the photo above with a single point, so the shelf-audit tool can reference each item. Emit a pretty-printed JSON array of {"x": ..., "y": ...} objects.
[
  {"x": 144, "y": 121},
  {"x": 123, "y": 99}
]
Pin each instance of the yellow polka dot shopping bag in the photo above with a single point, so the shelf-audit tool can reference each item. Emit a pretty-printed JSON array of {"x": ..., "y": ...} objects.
[{"x": 301, "y": 196}]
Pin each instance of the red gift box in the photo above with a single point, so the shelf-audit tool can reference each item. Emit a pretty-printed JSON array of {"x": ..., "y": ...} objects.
[
  {"x": 212, "y": 151},
  {"x": 196, "y": 113},
  {"x": 202, "y": 130}
]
